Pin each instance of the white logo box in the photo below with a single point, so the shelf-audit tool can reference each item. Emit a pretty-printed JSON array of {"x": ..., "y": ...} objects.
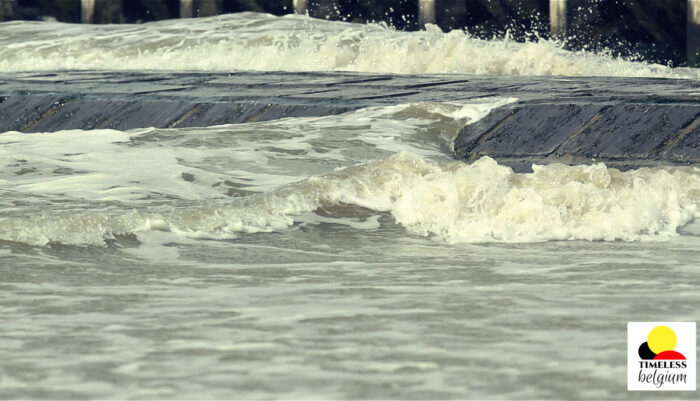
[{"x": 661, "y": 375}]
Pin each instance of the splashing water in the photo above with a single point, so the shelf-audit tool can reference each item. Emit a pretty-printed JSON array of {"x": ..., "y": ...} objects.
[
  {"x": 272, "y": 169},
  {"x": 261, "y": 42}
]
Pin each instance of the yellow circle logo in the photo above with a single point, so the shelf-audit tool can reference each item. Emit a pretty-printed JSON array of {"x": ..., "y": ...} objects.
[
  {"x": 660, "y": 344},
  {"x": 661, "y": 338}
]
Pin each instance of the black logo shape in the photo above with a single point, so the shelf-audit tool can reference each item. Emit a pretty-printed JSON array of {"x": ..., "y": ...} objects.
[{"x": 645, "y": 352}]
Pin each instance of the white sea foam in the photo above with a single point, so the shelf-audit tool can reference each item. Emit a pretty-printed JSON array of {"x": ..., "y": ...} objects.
[
  {"x": 261, "y": 42},
  {"x": 457, "y": 202},
  {"x": 88, "y": 187},
  {"x": 142, "y": 165}
]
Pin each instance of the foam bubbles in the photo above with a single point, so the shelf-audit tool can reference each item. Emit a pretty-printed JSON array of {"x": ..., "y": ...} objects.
[
  {"x": 94, "y": 187},
  {"x": 453, "y": 201},
  {"x": 485, "y": 201},
  {"x": 260, "y": 42}
]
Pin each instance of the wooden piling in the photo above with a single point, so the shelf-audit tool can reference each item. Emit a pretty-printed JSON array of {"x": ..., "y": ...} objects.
[
  {"x": 208, "y": 8},
  {"x": 7, "y": 10},
  {"x": 186, "y": 9},
  {"x": 87, "y": 11},
  {"x": 200, "y": 8},
  {"x": 693, "y": 33},
  {"x": 301, "y": 6},
  {"x": 557, "y": 18},
  {"x": 101, "y": 11},
  {"x": 426, "y": 12}
]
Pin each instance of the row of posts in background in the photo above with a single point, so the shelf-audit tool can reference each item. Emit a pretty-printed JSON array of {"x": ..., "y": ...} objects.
[
  {"x": 558, "y": 16},
  {"x": 660, "y": 30},
  {"x": 559, "y": 13}
]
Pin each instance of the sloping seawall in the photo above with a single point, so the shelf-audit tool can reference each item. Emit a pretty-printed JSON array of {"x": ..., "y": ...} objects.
[
  {"x": 618, "y": 133},
  {"x": 623, "y": 121}
]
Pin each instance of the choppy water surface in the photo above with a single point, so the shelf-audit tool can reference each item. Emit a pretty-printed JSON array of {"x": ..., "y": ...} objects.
[
  {"x": 261, "y": 42},
  {"x": 339, "y": 257}
]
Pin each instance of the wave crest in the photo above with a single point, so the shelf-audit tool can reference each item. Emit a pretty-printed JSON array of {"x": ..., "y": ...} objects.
[
  {"x": 261, "y": 42},
  {"x": 456, "y": 202}
]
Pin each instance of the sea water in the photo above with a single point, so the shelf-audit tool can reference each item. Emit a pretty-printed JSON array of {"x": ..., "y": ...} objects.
[
  {"x": 335, "y": 257},
  {"x": 261, "y": 42}
]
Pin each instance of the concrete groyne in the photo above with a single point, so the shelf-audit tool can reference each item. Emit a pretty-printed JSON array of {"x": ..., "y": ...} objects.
[
  {"x": 618, "y": 133},
  {"x": 623, "y": 121}
]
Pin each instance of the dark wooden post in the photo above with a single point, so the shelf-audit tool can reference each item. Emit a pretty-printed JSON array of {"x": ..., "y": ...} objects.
[
  {"x": 7, "y": 10},
  {"x": 186, "y": 9},
  {"x": 101, "y": 11},
  {"x": 208, "y": 8},
  {"x": 328, "y": 9},
  {"x": 693, "y": 33},
  {"x": 557, "y": 18},
  {"x": 200, "y": 8}
]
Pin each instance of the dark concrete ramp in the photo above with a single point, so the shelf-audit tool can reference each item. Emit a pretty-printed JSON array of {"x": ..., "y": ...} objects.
[
  {"x": 624, "y": 134},
  {"x": 623, "y": 121}
]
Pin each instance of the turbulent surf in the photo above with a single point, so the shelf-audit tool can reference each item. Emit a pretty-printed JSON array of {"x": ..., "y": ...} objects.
[
  {"x": 261, "y": 42},
  {"x": 343, "y": 256},
  {"x": 225, "y": 181}
]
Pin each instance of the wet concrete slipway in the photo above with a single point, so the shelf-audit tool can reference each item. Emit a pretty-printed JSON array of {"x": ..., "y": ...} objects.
[
  {"x": 625, "y": 121},
  {"x": 260, "y": 207}
]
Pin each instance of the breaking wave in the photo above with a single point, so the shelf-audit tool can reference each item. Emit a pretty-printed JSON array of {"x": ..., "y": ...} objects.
[
  {"x": 452, "y": 201},
  {"x": 261, "y": 42}
]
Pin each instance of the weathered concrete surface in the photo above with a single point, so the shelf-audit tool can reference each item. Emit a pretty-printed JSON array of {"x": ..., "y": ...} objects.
[
  {"x": 624, "y": 121},
  {"x": 50, "y": 112},
  {"x": 622, "y": 134}
]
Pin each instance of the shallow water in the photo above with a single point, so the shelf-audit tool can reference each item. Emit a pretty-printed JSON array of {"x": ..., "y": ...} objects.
[
  {"x": 328, "y": 311},
  {"x": 337, "y": 257}
]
